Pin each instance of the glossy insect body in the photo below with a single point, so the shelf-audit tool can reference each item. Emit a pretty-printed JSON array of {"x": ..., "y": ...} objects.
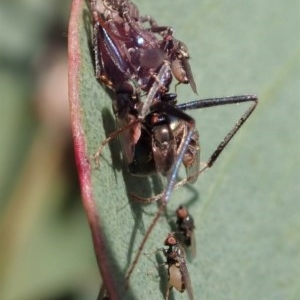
[
  {"x": 186, "y": 226},
  {"x": 177, "y": 271},
  {"x": 130, "y": 61},
  {"x": 124, "y": 50},
  {"x": 163, "y": 132}
]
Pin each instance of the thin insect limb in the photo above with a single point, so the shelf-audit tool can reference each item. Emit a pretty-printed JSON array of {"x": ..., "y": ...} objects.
[
  {"x": 134, "y": 21},
  {"x": 187, "y": 179},
  {"x": 212, "y": 102},
  {"x": 154, "y": 89},
  {"x": 176, "y": 186},
  {"x": 175, "y": 169},
  {"x": 156, "y": 267},
  {"x": 95, "y": 40},
  {"x": 237, "y": 126},
  {"x": 149, "y": 19},
  {"x": 108, "y": 38},
  {"x": 158, "y": 214},
  {"x": 148, "y": 200},
  {"x": 99, "y": 30},
  {"x": 104, "y": 23},
  {"x": 189, "y": 75},
  {"x": 203, "y": 104},
  {"x": 112, "y": 136}
]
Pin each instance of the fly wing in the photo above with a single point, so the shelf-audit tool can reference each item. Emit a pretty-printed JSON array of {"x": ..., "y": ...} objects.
[
  {"x": 187, "y": 283},
  {"x": 192, "y": 164},
  {"x": 185, "y": 276},
  {"x": 193, "y": 244},
  {"x": 189, "y": 74},
  {"x": 128, "y": 138}
]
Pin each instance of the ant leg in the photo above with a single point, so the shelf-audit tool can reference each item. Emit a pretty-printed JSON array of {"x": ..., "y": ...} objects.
[
  {"x": 105, "y": 40},
  {"x": 223, "y": 101},
  {"x": 216, "y": 102},
  {"x": 175, "y": 169},
  {"x": 163, "y": 31},
  {"x": 145, "y": 200},
  {"x": 176, "y": 186},
  {"x": 135, "y": 26},
  {"x": 159, "y": 213},
  {"x": 100, "y": 72},
  {"x": 156, "y": 86},
  {"x": 98, "y": 62},
  {"x": 111, "y": 137},
  {"x": 211, "y": 102},
  {"x": 150, "y": 20}
]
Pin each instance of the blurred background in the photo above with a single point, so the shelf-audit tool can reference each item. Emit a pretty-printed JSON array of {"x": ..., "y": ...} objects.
[{"x": 46, "y": 250}]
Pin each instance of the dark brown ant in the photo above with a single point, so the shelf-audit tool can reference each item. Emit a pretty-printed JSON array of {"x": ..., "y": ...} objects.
[
  {"x": 136, "y": 53},
  {"x": 185, "y": 224},
  {"x": 178, "y": 275},
  {"x": 158, "y": 136}
]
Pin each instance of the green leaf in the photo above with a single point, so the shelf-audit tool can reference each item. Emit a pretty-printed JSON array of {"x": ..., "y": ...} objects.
[{"x": 246, "y": 207}]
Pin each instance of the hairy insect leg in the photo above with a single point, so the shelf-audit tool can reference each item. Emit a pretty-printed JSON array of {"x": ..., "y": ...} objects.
[
  {"x": 145, "y": 200},
  {"x": 222, "y": 145},
  {"x": 98, "y": 63},
  {"x": 100, "y": 72},
  {"x": 149, "y": 19}
]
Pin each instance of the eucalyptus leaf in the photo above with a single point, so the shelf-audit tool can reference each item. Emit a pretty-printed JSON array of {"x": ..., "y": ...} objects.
[{"x": 246, "y": 208}]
